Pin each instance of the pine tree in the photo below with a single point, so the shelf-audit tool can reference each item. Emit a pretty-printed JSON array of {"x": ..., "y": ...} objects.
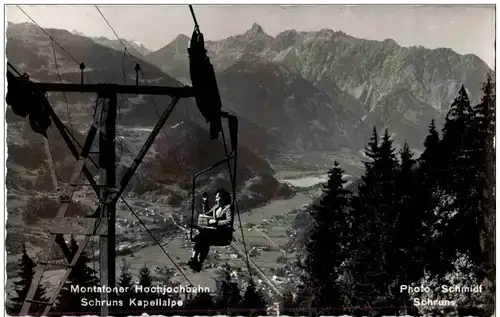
[
  {"x": 455, "y": 196},
  {"x": 201, "y": 304},
  {"x": 386, "y": 157},
  {"x": 407, "y": 160},
  {"x": 228, "y": 294},
  {"x": 410, "y": 233},
  {"x": 430, "y": 160},
  {"x": 431, "y": 144},
  {"x": 253, "y": 302},
  {"x": 372, "y": 149},
  {"x": 125, "y": 282},
  {"x": 376, "y": 272},
  {"x": 288, "y": 304},
  {"x": 26, "y": 273},
  {"x": 484, "y": 162},
  {"x": 73, "y": 303},
  {"x": 456, "y": 145},
  {"x": 327, "y": 245},
  {"x": 429, "y": 196},
  {"x": 484, "y": 150},
  {"x": 145, "y": 277},
  {"x": 146, "y": 281},
  {"x": 459, "y": 179},
  {"x": 164, "y": 277}
]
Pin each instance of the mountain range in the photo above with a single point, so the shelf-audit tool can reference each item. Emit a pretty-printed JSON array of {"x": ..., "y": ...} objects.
[
  {"x": 134, "y": 47},
  {"x": 32, "y": 52},
  {"x": 365, "y": 82},
  {"x": 298, "y": 93}
]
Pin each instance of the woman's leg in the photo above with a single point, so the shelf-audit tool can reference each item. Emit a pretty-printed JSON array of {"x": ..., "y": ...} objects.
[
  {"x": 209, "y": 239},
  {"x": 198, "y": 246},
  {"x": 193, "y": 258},
  {"x": 204, "y": 253}
]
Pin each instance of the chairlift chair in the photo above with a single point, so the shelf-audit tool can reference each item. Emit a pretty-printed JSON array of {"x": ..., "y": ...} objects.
[
  {"x": 200, "y": 221},
  {"x": 209, "y": 104}
]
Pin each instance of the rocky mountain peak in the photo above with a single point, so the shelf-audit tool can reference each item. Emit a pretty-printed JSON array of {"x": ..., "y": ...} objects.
[
  {"x": 286, "y": 39},
  {"x": 76, "y": 32},
  {"x": 180, "y": 43},
  {"x": 22, "y": 29},
  {"x": 181, "y": 38},
  {"x": 391, "y": 42},
  {"x": 327, "y": 35},
  {"x": 256, "y": 29}
]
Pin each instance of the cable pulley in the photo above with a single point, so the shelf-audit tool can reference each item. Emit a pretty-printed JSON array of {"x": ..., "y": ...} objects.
[
  {"x": 204, "y": 82},
  {"x": 137, "y": 68},
  {"x": 39, "y": 117},
  {"x": 18, "y": 100},
  {"x": 82, "y": 67},
  {"x": 26, "y": 102}
]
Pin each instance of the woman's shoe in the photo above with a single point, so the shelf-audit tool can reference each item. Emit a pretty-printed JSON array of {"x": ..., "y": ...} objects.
[
  {"x": 192, "y": 263},
  {"x": 196, "y": 266}
]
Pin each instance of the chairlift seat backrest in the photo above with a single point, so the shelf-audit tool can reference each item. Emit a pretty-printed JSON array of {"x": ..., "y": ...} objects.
[
  {"x": 224, "y": 236},
  {"x": 203, "y": 219}
]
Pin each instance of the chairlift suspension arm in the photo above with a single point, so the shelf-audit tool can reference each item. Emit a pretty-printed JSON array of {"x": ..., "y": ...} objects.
[{"x": 194, "y": 17}]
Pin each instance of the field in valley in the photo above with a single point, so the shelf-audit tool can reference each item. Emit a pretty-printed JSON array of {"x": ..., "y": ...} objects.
[
  {"x": 265, "y": 233},
  {"x": 264, "y": 218}
]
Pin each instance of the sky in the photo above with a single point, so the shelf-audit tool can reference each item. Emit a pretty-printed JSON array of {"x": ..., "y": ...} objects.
[{"x": 467, "y": 29}]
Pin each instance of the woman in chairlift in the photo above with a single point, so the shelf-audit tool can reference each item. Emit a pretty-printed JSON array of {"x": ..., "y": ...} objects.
[{"x": 217, "y": 232}]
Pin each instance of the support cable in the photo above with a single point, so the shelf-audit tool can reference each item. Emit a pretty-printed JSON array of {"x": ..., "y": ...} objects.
[
  {"x": 143, "y": 78},
  {"x": 50, "y": 36},
  {"x": 113, "y": 30},
  {"x": 58, "y": 74},
  {"x": 235, "y": 201},
  {"x": 156, "y": 241},
  {"x": 9, "y": 64},
  {"x": 60, "y": 80}
]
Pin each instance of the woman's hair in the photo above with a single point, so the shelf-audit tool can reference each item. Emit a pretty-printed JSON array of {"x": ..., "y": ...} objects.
[{"x": 225, "y": 197}]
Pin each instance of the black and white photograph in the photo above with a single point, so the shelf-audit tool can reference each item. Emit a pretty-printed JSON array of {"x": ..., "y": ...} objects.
[{"x": 250, "y": 160}]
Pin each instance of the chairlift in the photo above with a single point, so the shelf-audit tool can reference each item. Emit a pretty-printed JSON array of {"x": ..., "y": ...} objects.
[
  {"x": 199, "y": 221},
  {"x": 209, "y": 104}
]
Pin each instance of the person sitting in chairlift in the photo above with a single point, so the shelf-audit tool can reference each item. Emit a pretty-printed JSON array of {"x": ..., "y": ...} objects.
[
  {"x": 205, "y": 208},
  {"x": 218, "y": 231}
]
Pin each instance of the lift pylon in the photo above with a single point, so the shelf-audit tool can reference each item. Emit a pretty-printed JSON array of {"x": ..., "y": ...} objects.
[{"x": 102, "y": 221}]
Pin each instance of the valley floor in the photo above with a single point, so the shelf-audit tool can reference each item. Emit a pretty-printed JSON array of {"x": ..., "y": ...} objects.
[
  {"x": 263, "y": 217},
  {"x": 265, "y": 243}
]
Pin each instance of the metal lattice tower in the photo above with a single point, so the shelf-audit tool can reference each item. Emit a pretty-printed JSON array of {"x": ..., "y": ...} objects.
[{"x": 102, "y": 222}]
